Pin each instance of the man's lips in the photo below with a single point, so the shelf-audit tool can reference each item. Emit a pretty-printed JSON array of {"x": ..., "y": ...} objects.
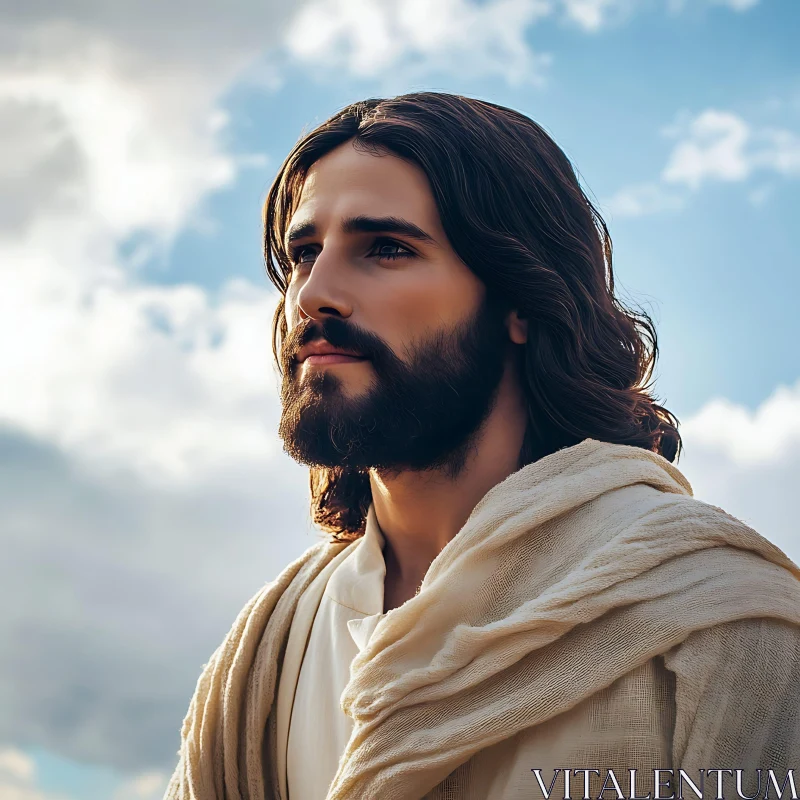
[
  {"x": 321, "y": 352},
  {"x": 332, "y": 358}
]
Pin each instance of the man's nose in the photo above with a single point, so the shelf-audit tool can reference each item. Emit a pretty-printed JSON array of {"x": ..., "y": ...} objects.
[{"x": 324, "y": 292}]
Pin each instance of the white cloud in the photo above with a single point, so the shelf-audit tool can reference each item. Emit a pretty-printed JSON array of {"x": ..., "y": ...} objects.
[
  {"x": 147, "y": 786},
  {"x": 748, "y": 462},
  {"x": 16, "y": 765},
  {"x": 750, "y": 438},
  {"x": 641, "y": 199},
  {"x": 734, "y": 5},
  {"x": 18, "y": 780},
  {"x": 760, "y": 195},
  {"x": 713, "y": 145},
  {"x": 143, "y": 167},
  {"x": 112, "y": 127},
  {"x": 592, "y": 15},
  {"x": 118, "y": 117},
  {"x": 777, "y": 150},
  {"x": 719, "y": 145},
  {"x": 373, "y": 37},
  {"x": 161, "y": 378},
  {"x": 737, "y": 5}
]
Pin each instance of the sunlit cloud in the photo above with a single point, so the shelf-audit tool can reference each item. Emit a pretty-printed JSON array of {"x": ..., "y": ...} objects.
[
  {"x": 371, "y": 37},
  {"x": 748, "y": 462},
  {"x": 737, "y": 5},
  {"x": 747, "y": 438},
  {"x": 642, "y": 199},
  {"x": 147, "y": 786},
  {"x": 712, "y": 146},
  {"x": 18, "y": 778},
  {"x": 592, "y": 15},
  {"x": 719, "y": 145}
]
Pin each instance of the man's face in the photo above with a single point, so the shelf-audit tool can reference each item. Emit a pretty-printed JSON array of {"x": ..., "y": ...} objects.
[{"x": 375, "y": 276}]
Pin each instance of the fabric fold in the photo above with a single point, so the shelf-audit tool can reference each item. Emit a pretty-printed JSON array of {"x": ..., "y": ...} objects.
[{"x": 362, "y": 629}]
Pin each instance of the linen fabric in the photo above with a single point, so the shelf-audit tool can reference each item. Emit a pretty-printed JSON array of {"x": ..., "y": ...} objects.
[
  {"x": 585, "y": 592},
  {"x": 630, "y": 723},
  {"x": 313, "y": 731}
]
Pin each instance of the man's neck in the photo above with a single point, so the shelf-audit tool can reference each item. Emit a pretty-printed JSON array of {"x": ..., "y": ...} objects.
[{"x": 420, "y": 512}]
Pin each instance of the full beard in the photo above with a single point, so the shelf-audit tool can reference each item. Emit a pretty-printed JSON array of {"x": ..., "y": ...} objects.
[{"x": 420, "y": 415}]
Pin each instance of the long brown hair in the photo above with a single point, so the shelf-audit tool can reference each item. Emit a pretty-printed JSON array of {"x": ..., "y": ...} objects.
[{"x": 514, "y": 211}]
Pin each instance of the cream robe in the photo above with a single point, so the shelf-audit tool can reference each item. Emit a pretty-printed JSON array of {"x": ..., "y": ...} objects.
[
  {"x": 339, "y": 611},
  {"x": 589, "y": 614}
]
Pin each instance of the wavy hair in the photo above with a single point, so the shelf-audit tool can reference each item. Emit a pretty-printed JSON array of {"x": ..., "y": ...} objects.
[{"x": 514, "y": 211}]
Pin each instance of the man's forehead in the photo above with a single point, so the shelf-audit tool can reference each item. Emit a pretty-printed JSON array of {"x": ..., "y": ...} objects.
[
  {"x": 363, "y": 186},
  {"x": 381, "y": 178}
]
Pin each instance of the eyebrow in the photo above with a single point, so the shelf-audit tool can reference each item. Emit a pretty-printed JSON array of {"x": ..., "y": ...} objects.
[{"x": 365, "y": 224}]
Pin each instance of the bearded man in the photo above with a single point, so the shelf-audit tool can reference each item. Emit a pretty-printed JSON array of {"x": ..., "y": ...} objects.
[{"x": 518, "y": 594}]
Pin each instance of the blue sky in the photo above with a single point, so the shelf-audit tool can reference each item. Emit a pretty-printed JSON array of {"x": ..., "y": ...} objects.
[{"x": 144, "y": 495}]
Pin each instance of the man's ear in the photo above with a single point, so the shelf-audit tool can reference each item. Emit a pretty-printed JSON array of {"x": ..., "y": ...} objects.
[{"x": 517, "y": 327}]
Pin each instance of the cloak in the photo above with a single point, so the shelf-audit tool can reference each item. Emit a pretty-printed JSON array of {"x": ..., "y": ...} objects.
[{"x": 572, "y": 581}]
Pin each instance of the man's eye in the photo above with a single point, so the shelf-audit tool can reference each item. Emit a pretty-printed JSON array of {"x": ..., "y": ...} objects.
[
  {"x": 298, "y": 256},
  {"x": 386, "y": 248},
  {"x": 381, "y": 248}
]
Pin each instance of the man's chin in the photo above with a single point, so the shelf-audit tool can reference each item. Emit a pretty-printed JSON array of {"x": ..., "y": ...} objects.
[
  {"x": 316, "y": 437},
  {"x": 320, "y": 453}
]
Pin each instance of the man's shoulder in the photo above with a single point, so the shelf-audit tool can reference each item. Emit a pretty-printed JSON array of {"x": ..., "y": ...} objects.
[
  {"x": 303, "y": 569},
  {"x": 316, "y": 555}
]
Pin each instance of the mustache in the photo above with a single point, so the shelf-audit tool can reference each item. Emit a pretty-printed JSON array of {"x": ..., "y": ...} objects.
[{"x": 336, "y": 332}]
